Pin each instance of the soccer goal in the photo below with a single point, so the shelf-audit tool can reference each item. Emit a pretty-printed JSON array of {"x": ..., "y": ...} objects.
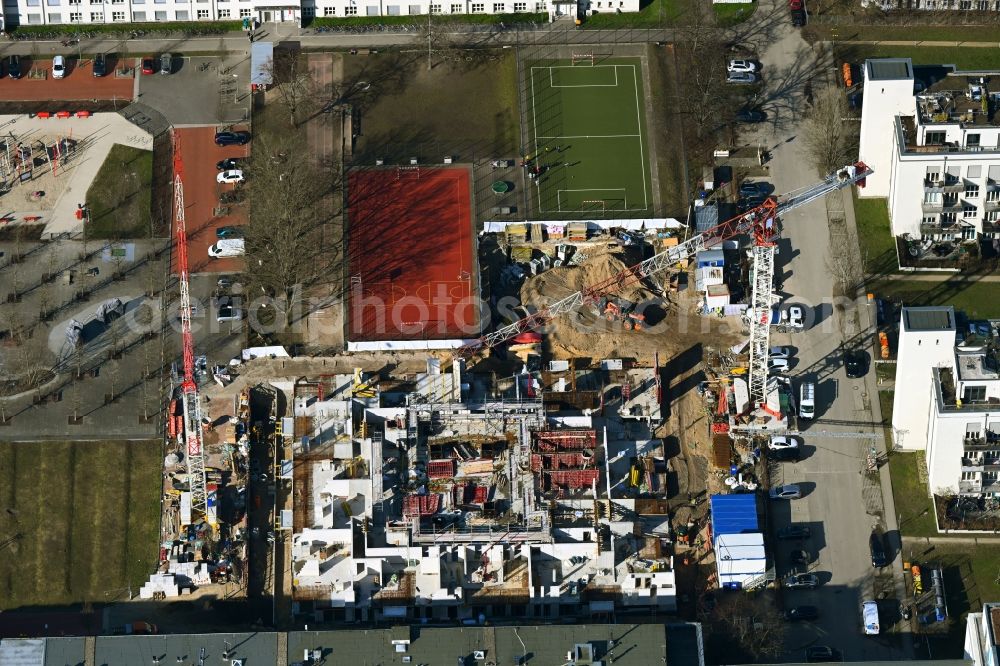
[
  {"x": 409, "y": 171},
  {"x": 583, "y": 58},
  {"x": 594, "y": 204}
]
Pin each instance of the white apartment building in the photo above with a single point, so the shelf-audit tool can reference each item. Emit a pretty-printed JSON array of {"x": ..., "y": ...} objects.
[
  {"x": 62, "y": 12},
  {"x": 936, "y": 153},
  {"x": 947, "y": 400},
  {"x": 982, "y": 636}
]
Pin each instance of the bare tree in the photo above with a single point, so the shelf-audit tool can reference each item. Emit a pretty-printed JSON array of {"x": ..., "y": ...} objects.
[
  {"x": 297, "y": 89},
  {"x": 829, "y": 136},
  {"x": 31, "y": 362},
  {"x": 844, "y": 263},
  {"x": 750, "y": 622},
  {"x": 289, "y": 199}
]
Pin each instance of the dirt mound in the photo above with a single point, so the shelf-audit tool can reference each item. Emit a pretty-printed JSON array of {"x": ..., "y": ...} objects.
[{"x": 557, "y": 283}]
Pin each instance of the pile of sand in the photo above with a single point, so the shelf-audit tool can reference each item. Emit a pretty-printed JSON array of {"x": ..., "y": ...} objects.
[{"x": 557, "y": 283}]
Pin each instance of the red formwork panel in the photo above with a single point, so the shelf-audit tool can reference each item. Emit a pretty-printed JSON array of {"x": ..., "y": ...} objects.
[{"x": 412, "y": 272}]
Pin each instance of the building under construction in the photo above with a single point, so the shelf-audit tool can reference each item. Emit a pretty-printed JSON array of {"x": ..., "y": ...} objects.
[{"x": 451, "y": 496}]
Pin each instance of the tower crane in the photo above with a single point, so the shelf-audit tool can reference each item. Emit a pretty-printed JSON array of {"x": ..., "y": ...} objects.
[
  {"x": 194, "y": 450},
  {"x": 761, "y": 223}
]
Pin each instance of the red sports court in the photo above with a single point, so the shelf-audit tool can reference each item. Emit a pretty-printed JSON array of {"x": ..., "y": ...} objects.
[{"x": 412, "y": 274}]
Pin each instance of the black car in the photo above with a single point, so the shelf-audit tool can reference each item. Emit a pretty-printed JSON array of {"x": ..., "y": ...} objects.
[
  {"x": 794, "y": 532},
  {"x": 166, "y": 63},
  {"x": 802, "y": 581},
  {"x": 798, "y": 17},
  {"x": 801, "y": 613},
  {"x": 227, "y": 164},
  {"x": 232, "y": 138},
  {"x": 751, "y": 190},
  {"x": 751, "y": 116},
  {"x": 856, "y": 363},
  {"x": 14, "y": 66},
  {"x": 818, "y": 654},
  {"x": 100, "y": 65},
  {"x": 876, "y": 544}
]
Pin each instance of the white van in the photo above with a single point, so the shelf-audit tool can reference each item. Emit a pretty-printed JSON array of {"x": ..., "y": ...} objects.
[
  {"x": 869, "y": 612},
  {"x": 227, "y": 247},
  {"x": 807, "y": 400}
]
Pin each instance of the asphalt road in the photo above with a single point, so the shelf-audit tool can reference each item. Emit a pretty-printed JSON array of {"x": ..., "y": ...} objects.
[{"x": 840, "y": 501}]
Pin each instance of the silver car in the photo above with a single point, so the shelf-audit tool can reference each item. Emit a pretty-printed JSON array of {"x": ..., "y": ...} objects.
[
  {"x": 789, "y": 491},
  {"x": 802, "y": 581},
  {"x": 744, "y": 78}
]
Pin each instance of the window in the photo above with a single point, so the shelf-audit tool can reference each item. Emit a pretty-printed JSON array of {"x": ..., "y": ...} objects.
[
  {"x": 203, "y": 13},
  {"x": 972, "y": 140},
  {"x": 930, "y": 219},
  {"x": 933, "y": 175},
  {"x": 413, "y": 10},
  {"x": 539, "y": 6},
  {"x": 34, "y": 19},
  {"x": 971, "y": 191},
  {"x": 973, "y": 394},
  {"x": 329, "y": 11},
  {"x": 933, "y": 198},
  {"x": 974, "y": 172},
  {"x": 223, "y": 13},
  {"x": 498, "y": 8},
  {"x": 993, "y": 195},
  {"x": 371, "y": 10},
  {"x": 245, "y": 13},
  {"x": 948, "y": 218},
  {"x": 74, "y": 2},
  {"x": 97, "y": 17},
  {"x": 968, "y": 211},
  {"x": 350, "y": 11},
  {"x": 478, "y": 7},
  {"x": 520, "y": 6},
  {"x": 934, "y": 138},
  {"x": 965, "y": 4},
  {"x": 968, "y": 233},
  {"x": 993, "y": 216},
  {"x": 138, "y": 16},
  {"x": 55, "y": 18},
  {"x": 308, "y": 12},
  {"x": 160, "y": 16},
  {"x": 456, "y": 9},
  {"x": 117, "y": 16},
  {"x": 969, "y": 476},
  {"x": 75, "y": 17},
  {"x": 435, "y": 9},
  {"x": 183, "y": 15}
]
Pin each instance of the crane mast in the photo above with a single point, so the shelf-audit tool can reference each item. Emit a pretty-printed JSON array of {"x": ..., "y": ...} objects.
[
  {"x": 761, "y": 223},
  {"x": 194, "y": 450}
]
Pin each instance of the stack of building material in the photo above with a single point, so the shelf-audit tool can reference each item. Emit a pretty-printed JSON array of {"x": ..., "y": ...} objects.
[
  {"x": 581, "y": 478},
  {"x": 421, "y": 505},
  {"x": 482, "y": 493},
  {"x": 521, "y": 254},
  {"x": 162, "y": 583},
  {"x": 441, "y": 469},
  {"x": 517, "y": 233},
  {"x": 481, "y": 466},
  {"x": 576, "y": 231}
]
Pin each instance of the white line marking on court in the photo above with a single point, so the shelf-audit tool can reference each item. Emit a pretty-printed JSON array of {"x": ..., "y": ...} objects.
[
  {"x": 534, "y": 121},
  {"x": 552, "y": 82},
  {"x": 638, "y": 119},
  {"x": 593, "y": 136}
]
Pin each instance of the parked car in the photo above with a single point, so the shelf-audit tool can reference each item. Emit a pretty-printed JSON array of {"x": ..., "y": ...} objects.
[
  {"x": 742, "y": 66},
  {"x": 795, "y": 5},
  {"x": 232, "y": 138},
  {"x": 856, "y": 363},
  {"x": 58, "y": 67},
  {"x": 801, "y": 613},
  {"x": 819, "y": 654},
  {"x": 148, "y": 66},
  {"x": 166, "y": 63},
  {"x": 876, "y": 544},
  {"x": 777, "y": 365},
  {"x": 798, "y": 17},
  {"x": 782, "y": 442},
  {"x": 228, "y": 163},
  {"x": 100, "y": 65},
  {"x": 229, "y": 232},
  {"x": 14, "y": 66},
  {"x": 231, "y": 176},
  {"x": 750, "y": 189},
  {"x": 784, "y": 455},
  {"x": 789, "y": 491},
  {"x": 751, "y": 116},
  {"x": 794, "y": 532},
  {"x": 229, "y": 309},
  {"x": 779, "y": 352},
  {"x": 744, "y": 78},
  {"x": 795, "y": 317},
  {"x": 802, "y": 581}
]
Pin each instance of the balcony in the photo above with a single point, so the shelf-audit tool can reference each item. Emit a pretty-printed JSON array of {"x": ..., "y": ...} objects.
[
  {"x": 978, "y": 488},
  {"x": 933, "y": 229},
  {"x": 947, "y": 205},
  {"x": 991, "y": 443},
  {"x": 951, "y": 185},
  {"x": 984, "y": 464}
]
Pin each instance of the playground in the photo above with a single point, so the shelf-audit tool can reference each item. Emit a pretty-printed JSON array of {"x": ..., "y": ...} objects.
[
  {"x": 412, "y": 274},
  {"x": 587, "y": 136}
]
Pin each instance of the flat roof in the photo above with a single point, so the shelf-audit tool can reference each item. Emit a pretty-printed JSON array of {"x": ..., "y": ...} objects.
[
  {"x": 889, "y": 69},
  {"x": 930, "y": 318},
  {"x": 994, "y": 623},
  {"x": 256, "y": 648},
  {"x": 734, "y": 514}
]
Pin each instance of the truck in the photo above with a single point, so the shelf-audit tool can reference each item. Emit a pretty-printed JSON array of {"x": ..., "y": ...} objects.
[
  {"x": 136, "y": 628},
  {"x": 623, "y": 311},
  {"x": 227, "y": 247},
  {"x": 869, "y": 612}
]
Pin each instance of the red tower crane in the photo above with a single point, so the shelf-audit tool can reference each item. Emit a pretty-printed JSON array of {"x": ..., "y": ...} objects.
[{"x": 194, "y": 450}]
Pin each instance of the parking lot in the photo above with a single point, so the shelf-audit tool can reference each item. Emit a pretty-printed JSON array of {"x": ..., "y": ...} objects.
[
  {"x": 79, "y": 84},
  {"x": 203, "y": 213},
  {"x": 200, "y": 90}
]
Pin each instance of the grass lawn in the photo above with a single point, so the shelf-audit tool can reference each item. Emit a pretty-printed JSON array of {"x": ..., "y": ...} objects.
[
  {"x": 970, "y": 573},
  {"x": 653, "y": 13},
  {"x": 459, "y": 107},
  {"x": 587, "y": 124},
  {"x": 120, "y": 196},
  {"x": 976, "y": 299},
  {"x": 909, "y": 33},
  {"x": 913, "y": 505},
  {"x": 88, "y": 513},
  {"x": 878, "y": 246},
  {"x": 666, "y": 131},
  {"x": 963, "y": 58},
  {"x": 730, "y": 14}
]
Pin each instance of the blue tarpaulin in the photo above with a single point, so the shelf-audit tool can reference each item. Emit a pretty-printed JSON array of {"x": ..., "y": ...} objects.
[{"x": 733, "y": 514}]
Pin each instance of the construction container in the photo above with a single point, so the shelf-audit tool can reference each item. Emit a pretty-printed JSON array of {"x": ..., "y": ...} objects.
[
  {"x": 577, "y": 231},
  {"x": 517, "y": 233}
]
